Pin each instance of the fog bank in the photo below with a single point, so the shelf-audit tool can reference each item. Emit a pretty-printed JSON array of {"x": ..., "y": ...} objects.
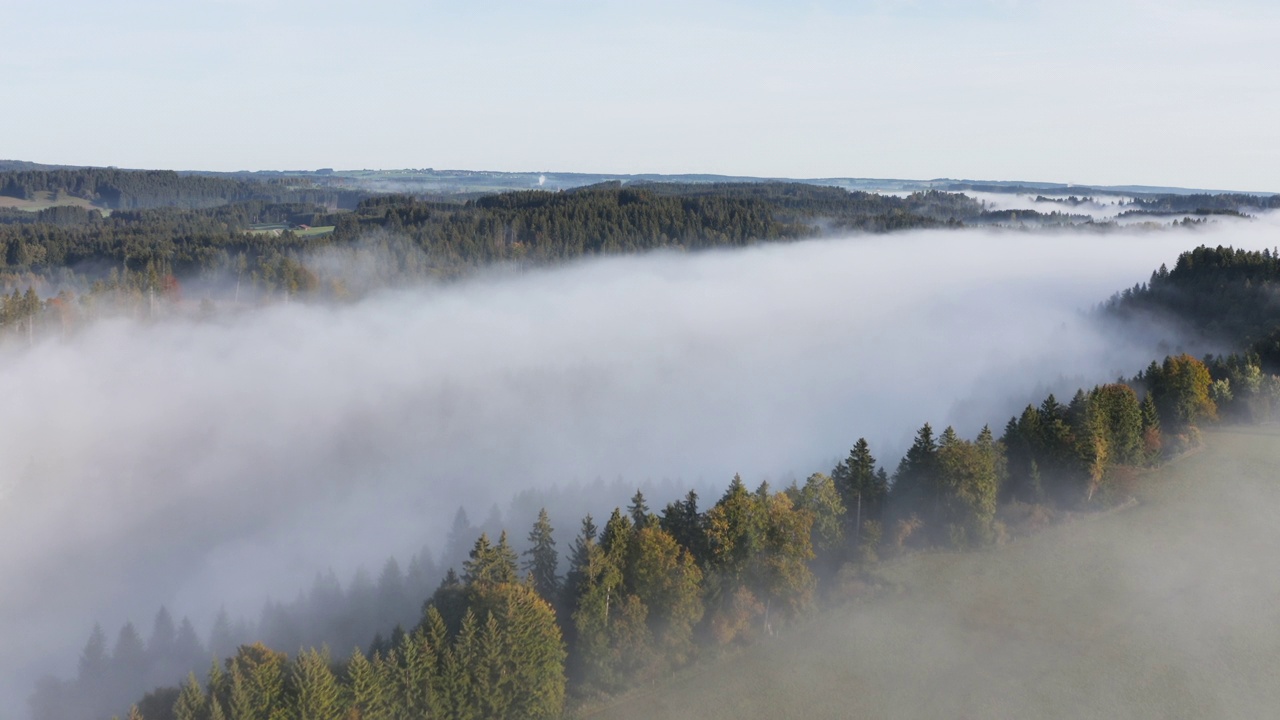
[{"x": 192, "y": 464}]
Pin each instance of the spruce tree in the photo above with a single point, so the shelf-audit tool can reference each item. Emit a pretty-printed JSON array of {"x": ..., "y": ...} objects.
[
  {"x": 366, "y": 694},
  {"x": 682, "y": 519},
  {"x": 579, "y": 558},
  {"x": 315, "y": 691},
  {"x": 638, "y": 510},
  {"x": 505, "y": 561},
  {"x": 191, "y": 704},
  {"x": 477, "y": 567},
  {"x": 543, "y": 560}
]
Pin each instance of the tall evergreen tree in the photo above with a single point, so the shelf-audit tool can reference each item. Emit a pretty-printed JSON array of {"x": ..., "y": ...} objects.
[
  {"x": 861, "y": 490},
  {"x": 682, "y": 519},
  {"x": 191, "y": 704},
  {"x": 315, "y": 694},
  {"x": 820, "y": 498},
  {"x": 367, "y": 695},
  {"x": 543, "y": 561},
  {"x": 638, "y": 510},
  {"x": 667, "y": 580},
  {"x": 914, "y": 480}
]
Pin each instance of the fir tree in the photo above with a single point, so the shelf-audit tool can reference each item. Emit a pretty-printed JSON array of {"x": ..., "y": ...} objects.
[
  {"x": 543, "y": 560},
  {"x": 315, "y": 691},
  {"x": 638, "y": 510}
]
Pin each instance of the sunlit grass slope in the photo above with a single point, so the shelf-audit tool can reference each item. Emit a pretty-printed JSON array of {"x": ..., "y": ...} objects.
[{"x": 1166, "y": 609}]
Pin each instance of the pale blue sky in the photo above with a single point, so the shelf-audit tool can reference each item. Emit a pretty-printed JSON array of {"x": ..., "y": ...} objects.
[{"x": 1128, "y": 91}]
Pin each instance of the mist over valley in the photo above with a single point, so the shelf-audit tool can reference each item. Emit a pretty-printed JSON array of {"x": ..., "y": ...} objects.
[{"x": 212, "y": 460}]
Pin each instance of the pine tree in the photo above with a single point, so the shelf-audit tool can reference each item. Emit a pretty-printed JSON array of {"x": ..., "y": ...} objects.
[
  {"x": 450, "y": 682},
  {"x": 616, "y": 538},
  {"x": 735, "y": 530},
  {"x": 477, "y": 567},
  {"x": 543, "y": 560},
  {"x": 160, "y": 646},
  {"x": 191, "y": 704},
  {"x": 390, "y": 594},
  {"x": 861, "y": 491},
  {"x": 366, "y": 694},
  {"x": 914, "y": 479},
  {"x": 682, "y": 519},
  {"x": 127, "y": 674},
  {"x": 219, "y": 690},
  {"x": 449, "y": 600},
  {"x": 415, "y": 665},
  {"x": 315, "y": 692},
  {"x": 187, "y": 649},
  {"x": 780, "y": 570},
  {"x": 94, "y": 663},
  {"x": 257, "y": 682},
  {"x": 595, "y": 607},
  {"x": 529, "y": 678},
  {"x": 966, "y": 491},
  {"x": 667, "y": 580},
  {"x": 638, "y": 510},
  {"x": 821, "y": 500},
  {"x": 222, "y": 641},
  {"x": 579, "y": 559},
  {"x": 505, "y": 561}
]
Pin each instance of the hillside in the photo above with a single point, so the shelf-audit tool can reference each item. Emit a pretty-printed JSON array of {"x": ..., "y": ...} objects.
[{"x": 1163, "y": 610}]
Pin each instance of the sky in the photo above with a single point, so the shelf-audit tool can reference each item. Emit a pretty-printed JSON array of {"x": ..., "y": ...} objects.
[{"x": 1123, "y": 92}]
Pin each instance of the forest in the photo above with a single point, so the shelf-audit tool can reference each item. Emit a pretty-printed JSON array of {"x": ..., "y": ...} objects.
[
  {"x": 1215, "y": 294},
  {"x": 152, "y": 232},
  {"x": 525, "y": 629}
]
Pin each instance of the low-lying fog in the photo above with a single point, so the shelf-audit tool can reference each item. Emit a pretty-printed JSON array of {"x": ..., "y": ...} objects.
[
  {"x": 196, "y": 464},
  {"x": 1098, "y": 207}
]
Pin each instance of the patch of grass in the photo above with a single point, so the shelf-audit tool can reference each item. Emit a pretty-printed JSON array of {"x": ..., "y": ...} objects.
[
  {"x": 313, "y": 231},
  {"x": 44, "y": 200},
  {"x": 1166, "y": 609},
  {"x": 277, "y": 228}
]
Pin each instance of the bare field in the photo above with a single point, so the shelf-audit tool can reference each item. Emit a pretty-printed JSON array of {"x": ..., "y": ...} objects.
[{"x": 1168, "y": 609}]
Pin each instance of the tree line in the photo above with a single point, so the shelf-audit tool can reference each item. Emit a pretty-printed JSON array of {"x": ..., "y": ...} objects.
[
  {"x": 135, "y": 189},
  {"x": 1214, "y": 295},
  {"x": 113, "y": 259}
]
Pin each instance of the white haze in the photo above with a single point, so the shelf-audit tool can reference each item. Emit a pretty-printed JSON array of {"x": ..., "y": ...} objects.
[
  {"x": 1098, "y": 207},
  {"x": 192, "y": 464}
]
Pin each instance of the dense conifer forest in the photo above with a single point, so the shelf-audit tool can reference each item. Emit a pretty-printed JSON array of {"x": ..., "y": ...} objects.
[
  {"x": 150, "y": 234},
  {"x": 1218, "y": 294}
]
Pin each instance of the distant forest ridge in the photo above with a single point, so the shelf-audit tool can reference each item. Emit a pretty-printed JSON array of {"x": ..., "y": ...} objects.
[
  {"x": 455, "y": 181},
  {"x": 103, "y": 240}
]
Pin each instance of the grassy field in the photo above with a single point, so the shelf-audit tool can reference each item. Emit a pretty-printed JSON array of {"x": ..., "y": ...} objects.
[
  {"x": 277, "y": 229},
  {"x": 44, "y": 200},
  {"x": 1167, "y": 609},
  {"x": 321, "y": 230}
]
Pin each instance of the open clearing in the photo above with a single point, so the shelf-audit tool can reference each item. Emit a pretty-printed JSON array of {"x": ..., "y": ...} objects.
[
  {"x": 1168, "y": 609},
  {"x": 44, "y": 200},
  {"x": 278, "y": 228}
]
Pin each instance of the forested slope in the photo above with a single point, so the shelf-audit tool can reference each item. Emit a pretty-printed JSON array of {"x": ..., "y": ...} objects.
[
  {"x": 1154, "y": 611},
  {"x": 650, "y": 592},
  {"x": 1219, "y": 294}
]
